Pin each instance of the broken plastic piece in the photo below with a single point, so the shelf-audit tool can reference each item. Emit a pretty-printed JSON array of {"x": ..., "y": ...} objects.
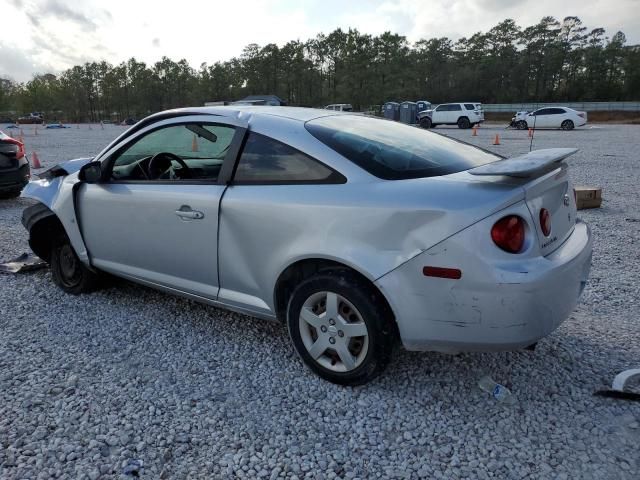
[
  {"x": 499, "y": 392},
  {"x": 24, "y": 263},
  {"x": 617, "y": 388}
]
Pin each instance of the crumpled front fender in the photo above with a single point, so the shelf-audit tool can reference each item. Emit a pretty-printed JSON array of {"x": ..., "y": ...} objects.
[{"x": 58, "y": 194}]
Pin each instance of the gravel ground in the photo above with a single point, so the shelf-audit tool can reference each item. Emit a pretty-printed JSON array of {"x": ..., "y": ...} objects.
[{"x": 90, "y": 384}]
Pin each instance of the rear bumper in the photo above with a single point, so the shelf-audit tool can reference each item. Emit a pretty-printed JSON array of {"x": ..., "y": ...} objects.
[
  {"x": 14, "y": 179},
  {"x": 495, "y": 305}
]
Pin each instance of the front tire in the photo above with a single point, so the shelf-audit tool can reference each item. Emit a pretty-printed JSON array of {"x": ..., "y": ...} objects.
[
  {"x": 521, "y": 125},
  {"x": 68, "y": 272},
  {"x": 340, "y": 327},
  {"x": 425, "y": 122},
  {"x": 567, "y": 125}
]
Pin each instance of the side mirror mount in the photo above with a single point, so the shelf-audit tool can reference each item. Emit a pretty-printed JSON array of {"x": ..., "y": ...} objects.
[{"x": 91, "y": 172}]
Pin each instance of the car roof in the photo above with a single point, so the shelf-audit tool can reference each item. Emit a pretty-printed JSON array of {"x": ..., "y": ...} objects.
[{"x": 301, "y": 114}]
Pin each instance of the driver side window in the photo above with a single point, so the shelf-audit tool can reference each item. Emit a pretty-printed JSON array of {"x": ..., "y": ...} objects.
[{"x": 190, "y": 151}]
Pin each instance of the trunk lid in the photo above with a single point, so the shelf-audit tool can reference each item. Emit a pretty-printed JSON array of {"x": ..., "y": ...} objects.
[{"x": 545, "y": 180}]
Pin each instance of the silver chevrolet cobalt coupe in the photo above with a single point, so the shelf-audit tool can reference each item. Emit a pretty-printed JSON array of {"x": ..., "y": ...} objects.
[{"x": 356, "y": 232}]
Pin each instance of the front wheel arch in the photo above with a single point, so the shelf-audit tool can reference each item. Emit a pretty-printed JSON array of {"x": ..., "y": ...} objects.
[{"x": 43, "y": 226}]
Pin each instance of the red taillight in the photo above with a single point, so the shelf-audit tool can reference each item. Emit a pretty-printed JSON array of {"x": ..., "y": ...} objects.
[
  {"x": 508, "y": 233},
  {"x": 20, "y": 152},
  {"x": 545, "y": 221}
]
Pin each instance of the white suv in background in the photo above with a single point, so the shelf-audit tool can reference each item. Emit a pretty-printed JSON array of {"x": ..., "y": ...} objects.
[{"x": 465, "y": 115}]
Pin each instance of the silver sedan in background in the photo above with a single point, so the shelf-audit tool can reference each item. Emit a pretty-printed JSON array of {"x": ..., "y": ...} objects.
[{"x": 356, "y": 232}]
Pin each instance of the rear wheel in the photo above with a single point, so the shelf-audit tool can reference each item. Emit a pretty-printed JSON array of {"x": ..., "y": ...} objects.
[
  {"x": 425, "y": 122},
  {"x": 464, "y": 122},
  {"x": 68, "y": 272},
  {"x": 567, "y": 125},
  {"x": 340, "y": 327}
]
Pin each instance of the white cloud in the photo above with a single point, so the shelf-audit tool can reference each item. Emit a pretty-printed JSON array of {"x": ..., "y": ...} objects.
[{"x": 56, "y": 34}]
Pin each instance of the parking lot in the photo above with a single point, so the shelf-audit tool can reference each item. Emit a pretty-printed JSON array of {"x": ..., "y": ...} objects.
[{"x": 89, "y": 384}]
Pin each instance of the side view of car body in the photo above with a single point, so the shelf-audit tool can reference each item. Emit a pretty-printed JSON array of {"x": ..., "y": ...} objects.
[
  {"x": 14, "y": 166},
  {"x": 550, "y": 117},
  {"x": 464, "y": 115},
  {"x": 356, "y": 232}
]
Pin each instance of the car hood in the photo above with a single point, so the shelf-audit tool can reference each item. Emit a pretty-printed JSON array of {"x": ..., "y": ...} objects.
[{"x": 68, "y": 167}]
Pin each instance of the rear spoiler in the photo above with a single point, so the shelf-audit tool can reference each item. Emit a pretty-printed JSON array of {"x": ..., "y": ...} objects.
[{"x": 528, "y": 165}]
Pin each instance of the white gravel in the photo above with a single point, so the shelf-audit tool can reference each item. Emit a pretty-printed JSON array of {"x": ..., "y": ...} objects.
[{"x": 94, "y": 386}]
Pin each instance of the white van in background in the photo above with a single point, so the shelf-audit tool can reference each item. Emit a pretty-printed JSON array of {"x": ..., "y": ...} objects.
[{"x": 340, "y": 107}]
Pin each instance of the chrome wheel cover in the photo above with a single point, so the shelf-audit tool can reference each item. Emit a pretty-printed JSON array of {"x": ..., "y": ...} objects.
[{"x": 333, "y": 332}]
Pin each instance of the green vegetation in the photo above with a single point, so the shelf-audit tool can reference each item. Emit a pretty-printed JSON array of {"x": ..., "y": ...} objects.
[{"x": 549, "y": 61}]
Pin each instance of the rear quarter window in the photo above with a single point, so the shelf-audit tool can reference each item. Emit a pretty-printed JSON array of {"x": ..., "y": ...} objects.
[
  {"x": 265, "y": 160},
  {"x": 469, "y": 106},
  {"x": 394, "y": 151}
]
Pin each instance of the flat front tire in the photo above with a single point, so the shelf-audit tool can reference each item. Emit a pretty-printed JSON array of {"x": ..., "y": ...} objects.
[
  {"x": 340, "y": 327},
  {"x": 68, "y": 272}
]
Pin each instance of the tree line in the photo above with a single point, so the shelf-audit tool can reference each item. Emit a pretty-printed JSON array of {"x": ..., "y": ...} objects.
[{"x": 550, "y": 61}]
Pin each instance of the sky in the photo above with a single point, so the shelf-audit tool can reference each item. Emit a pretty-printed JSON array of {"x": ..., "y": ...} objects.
[{"x": 49, "y": 36}]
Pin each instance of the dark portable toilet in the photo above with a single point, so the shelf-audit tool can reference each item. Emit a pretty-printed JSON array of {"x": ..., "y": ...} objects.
[
  {"x": 408, "y": 112},
  {"x": 392, "y": 110},
  {"x": 423, "y": 105}
]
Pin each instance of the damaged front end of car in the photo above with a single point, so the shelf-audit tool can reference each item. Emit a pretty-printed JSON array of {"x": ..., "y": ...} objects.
[{"x": 55, "y": 213}]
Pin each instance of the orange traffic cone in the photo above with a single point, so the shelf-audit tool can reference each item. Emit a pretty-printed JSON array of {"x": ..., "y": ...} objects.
[
  {"x": 194, "y": 144},
  {"x": 35, "y": 161},
  {"x": 496, "y": 141},
  {"x": 530, "y": 132},
  {"x": 475, "y": 132}
]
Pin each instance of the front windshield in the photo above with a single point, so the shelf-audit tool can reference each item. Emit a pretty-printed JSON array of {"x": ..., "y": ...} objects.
[{"x": 395, "y": 151}]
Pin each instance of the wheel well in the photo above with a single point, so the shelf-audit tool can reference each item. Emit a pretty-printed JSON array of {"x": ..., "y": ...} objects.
[
  {"x": 463, "y": 116},
  {"x": 298, "y": 271},
  {"x": 42, "y": 233}
]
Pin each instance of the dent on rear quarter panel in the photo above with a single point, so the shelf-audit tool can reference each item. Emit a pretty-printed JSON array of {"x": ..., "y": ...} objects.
[
  {"x": 373, "y": 227},
  {"x": 58, "y": 195}
]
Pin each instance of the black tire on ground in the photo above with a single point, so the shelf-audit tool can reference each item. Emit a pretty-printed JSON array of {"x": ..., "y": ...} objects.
[
  {"x": 425, "y": 122},
  {"x": 373, "y": 311},
  {"x": 567, "y": 125},
  {"x": 521, "y": 125},
  {"x": 463, "y": 122},
  {"x": 68, "y": 272}
]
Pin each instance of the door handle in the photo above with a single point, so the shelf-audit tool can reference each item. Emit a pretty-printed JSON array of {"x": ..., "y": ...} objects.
[{"x": 186, "y": 213}]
